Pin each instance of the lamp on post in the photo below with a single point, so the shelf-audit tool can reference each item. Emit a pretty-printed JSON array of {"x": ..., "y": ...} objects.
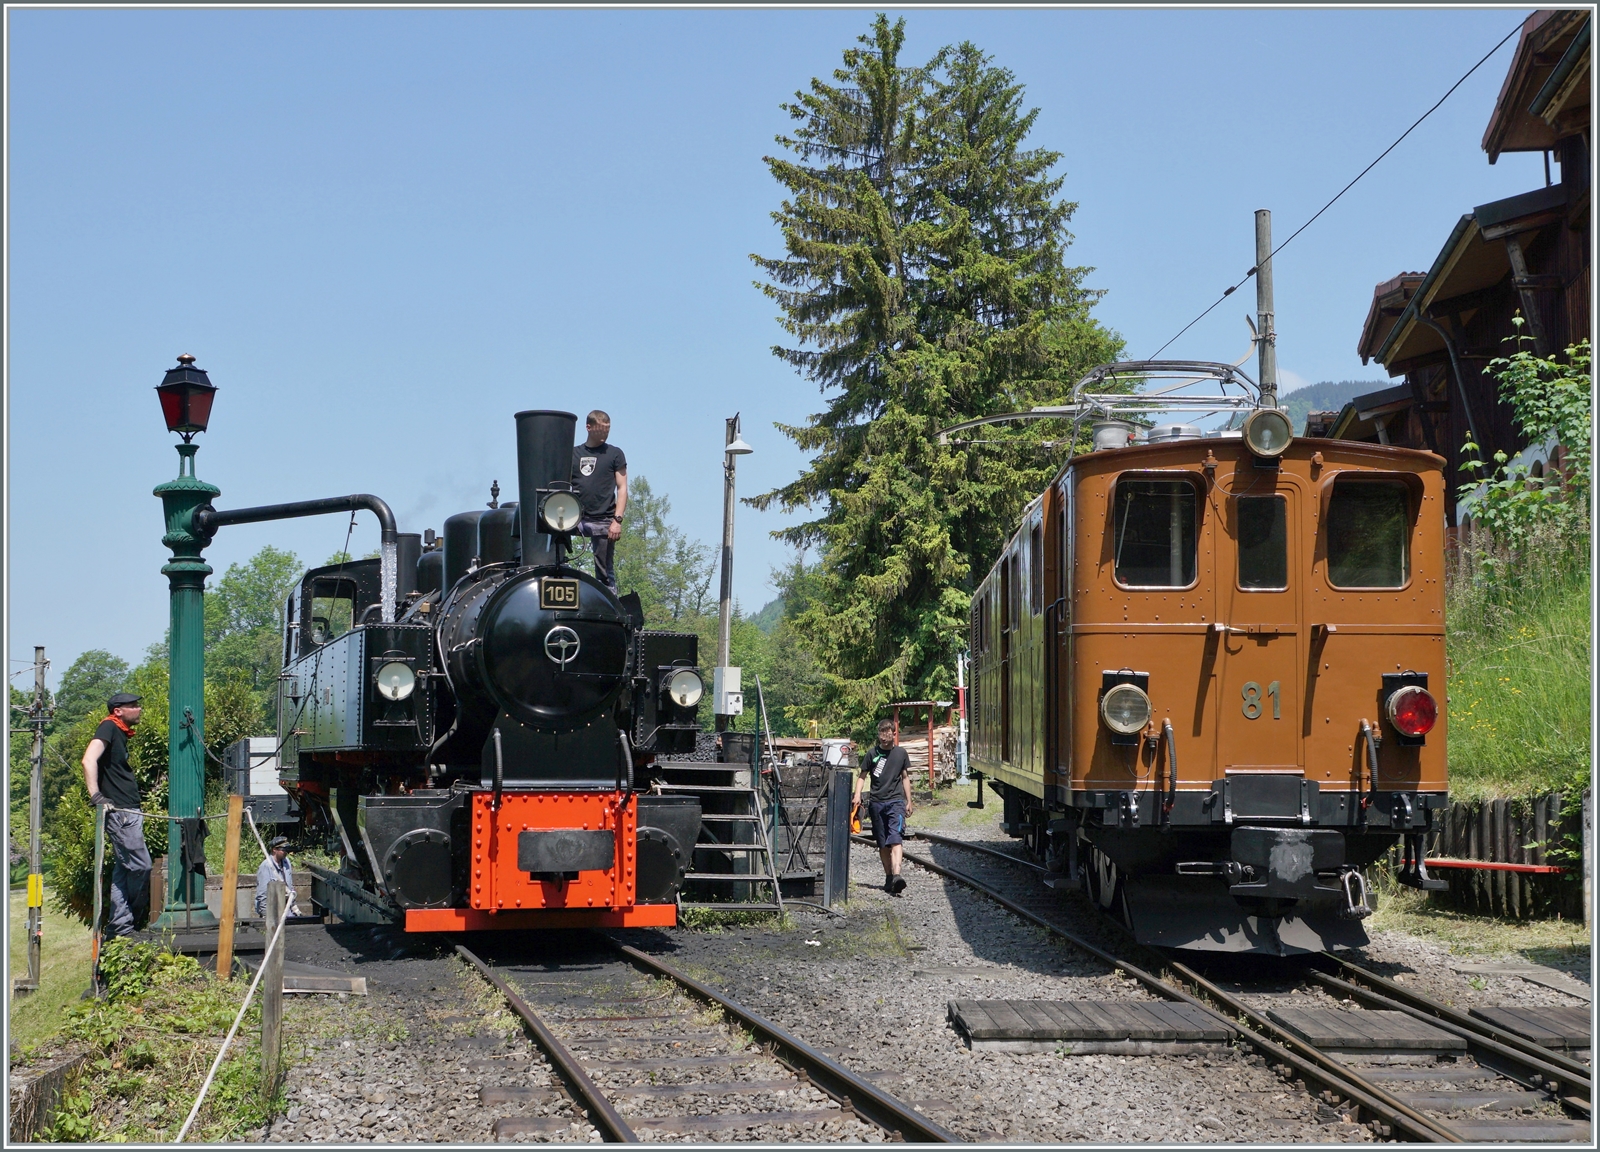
[
  {"x": 186, "y": 393},
  {"x": 726, "y": 692}
]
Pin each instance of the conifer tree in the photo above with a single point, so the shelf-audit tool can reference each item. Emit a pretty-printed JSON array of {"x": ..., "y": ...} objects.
[{"x": 924, "y": 283}]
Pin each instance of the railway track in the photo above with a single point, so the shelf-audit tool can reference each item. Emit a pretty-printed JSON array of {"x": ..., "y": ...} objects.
[
  {"x": 1493, "y": 1068},
  {"x": 644, "y": 1052}
]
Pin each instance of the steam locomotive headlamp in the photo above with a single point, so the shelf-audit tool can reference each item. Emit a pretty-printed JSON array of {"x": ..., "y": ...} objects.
[
  {"x": 1412, "y": 710},
  {"x": 560, "y": 512},
  {"x": 1125, "y": 709},
  {"x": 396, "y": 680},
  {"x": 684, "y": 687},
  {"x": 1267, "y": 432}
]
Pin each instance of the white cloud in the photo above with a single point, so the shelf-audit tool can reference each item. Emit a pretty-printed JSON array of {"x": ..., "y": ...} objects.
[{"x": 1290, "y": 381}]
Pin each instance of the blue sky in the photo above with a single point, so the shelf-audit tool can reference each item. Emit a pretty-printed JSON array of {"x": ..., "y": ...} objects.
[{"x": 383, "y": 232}]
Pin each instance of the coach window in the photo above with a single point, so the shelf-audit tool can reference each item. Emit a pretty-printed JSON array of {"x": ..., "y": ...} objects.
[
  {"x": 1154, "y": 523},
  {"x": 1036, "y": 569},
  {"x": 1369, "y": 535},
  {"x": 1263, "y": 543}
]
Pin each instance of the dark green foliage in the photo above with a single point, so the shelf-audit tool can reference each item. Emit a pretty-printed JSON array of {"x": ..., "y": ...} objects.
[
  {"x": 924, "y": 283},
  {"x": 1328, "y": 396},
  {"x": 671, "y": 573},
  {"x": 88, "y": 683}
]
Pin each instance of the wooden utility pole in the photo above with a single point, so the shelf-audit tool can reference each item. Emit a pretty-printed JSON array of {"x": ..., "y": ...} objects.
[
  {"x": 230, "y": 888},
  {"x": 1266, "y": 329},
  {"x": 39, "y": 714},
  {"x": 272, "y": 990}
]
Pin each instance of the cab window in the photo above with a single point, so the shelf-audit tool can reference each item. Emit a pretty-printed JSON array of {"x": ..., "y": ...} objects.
[
  {"x": 333, "y": 604},
  {"x": 1154, "y": 527},
  {"x": 1263, "y": 530},
  {"x": 1369, "y": 535}
]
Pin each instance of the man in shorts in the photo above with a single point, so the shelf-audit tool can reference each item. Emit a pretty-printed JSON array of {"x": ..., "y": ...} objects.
[{"x": 888, "y": 801}]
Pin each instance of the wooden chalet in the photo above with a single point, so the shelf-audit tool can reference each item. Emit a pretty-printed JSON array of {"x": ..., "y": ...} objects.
[{"x": 1526, "y": 255}]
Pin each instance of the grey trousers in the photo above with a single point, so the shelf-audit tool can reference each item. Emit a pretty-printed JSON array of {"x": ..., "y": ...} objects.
[{"x": 130, "y": 872}]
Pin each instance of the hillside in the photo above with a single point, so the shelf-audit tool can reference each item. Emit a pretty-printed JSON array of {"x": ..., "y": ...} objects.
[{"x": 1328, "y": 396}]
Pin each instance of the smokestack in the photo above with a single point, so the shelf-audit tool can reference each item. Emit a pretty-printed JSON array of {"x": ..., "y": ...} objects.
[{"x": 544, "y": 456}]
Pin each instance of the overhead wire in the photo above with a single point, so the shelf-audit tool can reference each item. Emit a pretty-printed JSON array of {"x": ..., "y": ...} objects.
[{"x": 1243, "y": 280}]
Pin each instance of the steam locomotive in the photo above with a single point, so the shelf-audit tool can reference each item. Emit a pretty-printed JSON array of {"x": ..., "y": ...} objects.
[{"x": 477, "y": 724}]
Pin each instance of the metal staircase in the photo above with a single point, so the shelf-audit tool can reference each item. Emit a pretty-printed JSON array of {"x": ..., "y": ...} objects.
[{"x": 733, "y": 830}]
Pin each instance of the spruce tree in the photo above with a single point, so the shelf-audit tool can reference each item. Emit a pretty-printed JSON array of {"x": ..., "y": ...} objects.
[{"x": 925, "y": 283}]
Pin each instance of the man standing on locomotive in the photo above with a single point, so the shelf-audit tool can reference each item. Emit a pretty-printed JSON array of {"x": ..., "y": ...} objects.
[
  {"x": 111, "y": 784},
  {"x": 600, "y": 474},
  {"x": 888, "y": 801}
]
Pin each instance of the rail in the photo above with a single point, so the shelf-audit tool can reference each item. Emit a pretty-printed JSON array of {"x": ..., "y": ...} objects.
[
  {"x": 864, "y": 1097},
  {"x": 602, "y": 1114},
  {"x": 1279, "y": 1048}
]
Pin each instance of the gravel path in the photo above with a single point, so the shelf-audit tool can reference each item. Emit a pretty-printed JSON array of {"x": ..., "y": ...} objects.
[{"x": 873, "y": 986}]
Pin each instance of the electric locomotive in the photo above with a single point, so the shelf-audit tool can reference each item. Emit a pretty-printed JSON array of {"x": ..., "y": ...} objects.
[
  {"x": 480, "y": 738},
  {"x": 1207, "y": 670}
]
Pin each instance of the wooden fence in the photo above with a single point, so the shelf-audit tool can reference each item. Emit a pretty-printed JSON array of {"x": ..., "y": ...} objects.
[{"x": 1520, "y": 831}]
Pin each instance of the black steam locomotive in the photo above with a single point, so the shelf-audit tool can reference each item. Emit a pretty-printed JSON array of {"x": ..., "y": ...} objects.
[{"x": 478, "y": 725}]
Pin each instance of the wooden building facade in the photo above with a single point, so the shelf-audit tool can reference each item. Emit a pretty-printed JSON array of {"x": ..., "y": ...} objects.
[{"x": 1525, "y": 256}]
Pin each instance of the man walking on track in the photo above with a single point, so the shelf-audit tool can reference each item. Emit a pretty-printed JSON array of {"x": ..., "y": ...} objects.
[
  {"x": 888, "y": 801},
  {"x": 600, "y": 473},
  {"x": 112, "y": 784}
]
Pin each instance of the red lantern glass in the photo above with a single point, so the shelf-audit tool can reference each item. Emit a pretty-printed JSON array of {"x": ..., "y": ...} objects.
[{"x": 186, "y": 393}]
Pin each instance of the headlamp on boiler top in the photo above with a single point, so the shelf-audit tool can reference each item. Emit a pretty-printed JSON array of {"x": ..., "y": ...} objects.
[
  {"x": 1267, "y": 432},
  {"x": 560, "y": 512}
]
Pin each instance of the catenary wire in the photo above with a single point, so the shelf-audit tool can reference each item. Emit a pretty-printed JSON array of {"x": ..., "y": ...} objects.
[{"x": 1226, "y": 292}]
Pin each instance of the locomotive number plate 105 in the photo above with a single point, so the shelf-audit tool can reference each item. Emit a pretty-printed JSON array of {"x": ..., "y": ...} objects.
[{"x": 558, "y": 595}]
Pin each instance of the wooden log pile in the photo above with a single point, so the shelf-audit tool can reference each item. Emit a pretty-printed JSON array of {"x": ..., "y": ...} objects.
[{"x": 915, "y": 741}]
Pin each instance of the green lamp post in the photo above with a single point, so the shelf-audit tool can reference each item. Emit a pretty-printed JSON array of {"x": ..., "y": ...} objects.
[{"x": 186, "y": 394}]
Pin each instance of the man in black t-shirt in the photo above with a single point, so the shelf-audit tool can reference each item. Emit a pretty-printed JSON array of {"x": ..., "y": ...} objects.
[
  {"x": 112, "y": 784},
  {"x": 888, "y": 801},
  {"x": 600, "y": 473}
]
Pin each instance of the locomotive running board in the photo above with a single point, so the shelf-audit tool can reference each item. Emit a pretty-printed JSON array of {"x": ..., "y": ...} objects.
[
  {"x": 483, "y": 920},
  {"x": 1198, "y": 914}
]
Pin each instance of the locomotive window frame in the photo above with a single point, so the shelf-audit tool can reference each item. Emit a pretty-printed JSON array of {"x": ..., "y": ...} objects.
[
  {"x": 1172, "y": 476},
  {"x": 1280, "y": 529},
  {"x": 1410, "y": 486}
]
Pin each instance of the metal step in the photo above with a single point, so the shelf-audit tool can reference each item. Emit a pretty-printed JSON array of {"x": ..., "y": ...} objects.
[
  {"x": 733, "y": 907},
  {"x": 730, "y": 847},
  {"x": 704, "y": 816},
  {"x": 753, "y": 877},
  {"x": 702, "y": 767},
  {"x": 707, "y": 788}
]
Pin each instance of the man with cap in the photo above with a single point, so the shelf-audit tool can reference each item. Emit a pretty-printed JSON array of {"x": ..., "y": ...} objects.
[
  {"x": 275, "y": 867},
  {"x": 113, "y": 786}
]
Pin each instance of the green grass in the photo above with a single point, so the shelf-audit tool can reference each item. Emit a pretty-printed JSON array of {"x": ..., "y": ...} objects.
[
  {"x": 64, "y": 970},
  {"x": 1541, "y": 941},
  {"x": 1519, "y": 674}
]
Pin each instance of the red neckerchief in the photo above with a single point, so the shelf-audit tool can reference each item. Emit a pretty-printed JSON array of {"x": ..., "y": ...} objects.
[{"x": 117, "y": 720}]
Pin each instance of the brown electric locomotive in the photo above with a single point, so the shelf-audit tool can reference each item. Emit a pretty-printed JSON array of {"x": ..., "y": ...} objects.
[{"x": 1207, "y": 672}]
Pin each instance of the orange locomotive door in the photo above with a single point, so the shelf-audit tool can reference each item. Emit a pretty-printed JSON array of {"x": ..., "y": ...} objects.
[{"x": 1260, "y": 666}]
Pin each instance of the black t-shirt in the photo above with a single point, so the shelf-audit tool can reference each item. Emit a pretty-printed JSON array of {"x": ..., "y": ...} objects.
[
  {"x": 117, "y": 782},
  {"x": 886, "y": 770},
  {"x": 595, "y": 471}
]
